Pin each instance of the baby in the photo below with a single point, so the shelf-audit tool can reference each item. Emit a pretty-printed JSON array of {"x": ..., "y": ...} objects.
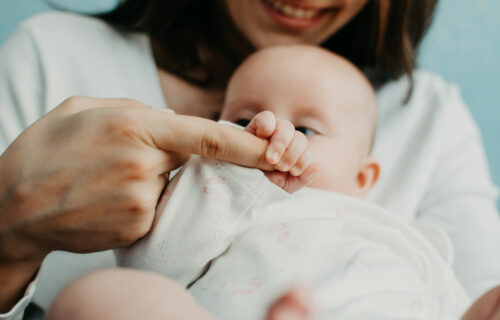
[
  {"x": 320, "y": 95},
  {"x": 238, "y": 241}
]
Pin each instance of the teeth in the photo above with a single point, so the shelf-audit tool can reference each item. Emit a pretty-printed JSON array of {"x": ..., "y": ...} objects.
[{"x": 292, "y": 11}]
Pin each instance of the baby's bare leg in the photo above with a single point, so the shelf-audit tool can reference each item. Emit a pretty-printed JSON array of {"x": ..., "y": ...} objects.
[{"x": 125, "y": 294}]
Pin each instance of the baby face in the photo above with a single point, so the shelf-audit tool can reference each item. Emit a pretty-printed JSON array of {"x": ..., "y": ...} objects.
[{"x": 324, "y": 97}]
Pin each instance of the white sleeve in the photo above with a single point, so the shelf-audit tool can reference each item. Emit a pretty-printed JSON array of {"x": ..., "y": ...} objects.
[
  {"x": 461, "y": 198},
  {"x": 21, "y": 94},
  {"x": 21, "y": 85},
  {"x": 204, "y": 207}
]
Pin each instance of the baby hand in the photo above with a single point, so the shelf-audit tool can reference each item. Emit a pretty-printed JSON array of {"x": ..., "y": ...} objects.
[{"x": 287, "y": 150}]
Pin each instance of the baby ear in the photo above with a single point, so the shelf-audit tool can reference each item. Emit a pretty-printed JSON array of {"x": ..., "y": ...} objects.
[{"x": 367, "y": 176}]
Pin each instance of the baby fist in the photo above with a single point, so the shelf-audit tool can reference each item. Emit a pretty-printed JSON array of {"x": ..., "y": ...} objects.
[{"x": 287, "y": 150}]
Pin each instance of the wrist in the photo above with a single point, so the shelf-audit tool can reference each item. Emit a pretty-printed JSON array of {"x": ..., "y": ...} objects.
[{"x": 16, "y": 275}]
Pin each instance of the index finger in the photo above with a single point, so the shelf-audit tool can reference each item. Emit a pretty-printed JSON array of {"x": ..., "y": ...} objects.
[{"x": 207, "y": 138}]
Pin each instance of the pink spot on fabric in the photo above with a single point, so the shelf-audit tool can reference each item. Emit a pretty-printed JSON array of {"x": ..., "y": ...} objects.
[
  {"x": 242, "y": 292},
  {"x": 416, "y": 305},
  {"x": 251, "y": 285},
  {"x": 215, "y": 180},
  {"x": 254, "y": 283},
  {"x": 340, "y": 214},
  {"x": 211, "y": 192},
  {"x": 165, "y": 262},
  {"x": 282, "y": 231}
]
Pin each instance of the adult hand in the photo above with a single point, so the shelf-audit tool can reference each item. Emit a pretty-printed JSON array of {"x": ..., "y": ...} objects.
[{"x": 86, "y": 177}]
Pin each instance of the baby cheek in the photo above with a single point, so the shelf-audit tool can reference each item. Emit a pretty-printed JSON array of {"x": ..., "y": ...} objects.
[
  {"x": 337, "y": 173},
  {"x": 328, "y": 179}
]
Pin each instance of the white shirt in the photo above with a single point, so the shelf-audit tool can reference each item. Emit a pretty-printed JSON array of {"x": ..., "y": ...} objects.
[
  {"x": 238, "y": 241},
  {"x": 432, "y": 160}
]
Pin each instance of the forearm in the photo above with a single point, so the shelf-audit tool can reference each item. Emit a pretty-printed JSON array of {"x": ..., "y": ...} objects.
[{"x": 15, "y": 278}]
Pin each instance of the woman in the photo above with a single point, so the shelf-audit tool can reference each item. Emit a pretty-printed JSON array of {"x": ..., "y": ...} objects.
[{"x": 86, "y": 176}]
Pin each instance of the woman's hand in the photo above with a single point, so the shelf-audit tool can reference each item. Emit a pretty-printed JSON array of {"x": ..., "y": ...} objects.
[
  {"x": 86, "y": 177},
  {"x": 288, "y": 151}
]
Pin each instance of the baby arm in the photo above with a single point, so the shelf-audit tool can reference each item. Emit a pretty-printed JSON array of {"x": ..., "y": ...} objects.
[{"x": 288, "y": 151}]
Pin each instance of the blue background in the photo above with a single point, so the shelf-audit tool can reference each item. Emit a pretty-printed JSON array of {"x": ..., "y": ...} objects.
[{"x": 462, "y": 46}]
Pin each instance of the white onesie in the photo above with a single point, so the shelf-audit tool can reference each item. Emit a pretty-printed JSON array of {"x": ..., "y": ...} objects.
[{"x": 238, "y": 242}]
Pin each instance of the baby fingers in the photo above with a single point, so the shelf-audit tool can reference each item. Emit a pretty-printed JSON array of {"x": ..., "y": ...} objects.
[
  {"x": 280, "y": 141},
  {"x": 293, "y": 153},
  {"x": 302, "y": 163},
  {"x": 262, "y": 124}
]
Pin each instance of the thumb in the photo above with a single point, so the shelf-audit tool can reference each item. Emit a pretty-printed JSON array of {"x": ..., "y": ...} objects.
[{"x": 207, "y": 138}]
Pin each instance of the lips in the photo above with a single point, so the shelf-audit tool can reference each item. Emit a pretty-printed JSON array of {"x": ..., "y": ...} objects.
[
  {"x": 293, "y": 11},
  {"x": 293, "y": 16}
]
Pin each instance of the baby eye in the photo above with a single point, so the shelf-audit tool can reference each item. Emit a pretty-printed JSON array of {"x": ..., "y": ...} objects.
[
  {"x": 242, "y": 122},
  {"x": 306, "y": 131}
]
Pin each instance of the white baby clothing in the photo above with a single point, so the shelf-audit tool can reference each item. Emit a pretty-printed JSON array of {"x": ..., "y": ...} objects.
[{"x": 237, "y": 241}]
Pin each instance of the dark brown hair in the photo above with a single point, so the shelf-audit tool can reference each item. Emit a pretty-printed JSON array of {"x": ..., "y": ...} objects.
[{"x": 194, "y": 41}]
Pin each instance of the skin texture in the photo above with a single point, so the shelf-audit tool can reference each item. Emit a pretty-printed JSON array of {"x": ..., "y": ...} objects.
[
  {"x": 307, "y": 87},
  {"x": 255, "y": 23},
  {"x": 49, "y": 183},
  {"x": 74, "y": 154},
  {"x": 149, "y": 296}
]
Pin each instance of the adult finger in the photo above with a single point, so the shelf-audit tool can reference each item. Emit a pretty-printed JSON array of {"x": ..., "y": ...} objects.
[{"x": 207, "y": 138}]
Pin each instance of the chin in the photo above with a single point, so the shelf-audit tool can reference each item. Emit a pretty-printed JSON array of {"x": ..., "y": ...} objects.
[{"x": 269, "y": 40}]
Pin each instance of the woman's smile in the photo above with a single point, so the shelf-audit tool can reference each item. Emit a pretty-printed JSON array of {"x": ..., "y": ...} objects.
[
  {"x": 293, "y": 16},
  {"x": 273, "y": 22}
]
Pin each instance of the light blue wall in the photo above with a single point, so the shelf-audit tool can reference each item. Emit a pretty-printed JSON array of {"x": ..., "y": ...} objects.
[{"x": 463, "y": 46}]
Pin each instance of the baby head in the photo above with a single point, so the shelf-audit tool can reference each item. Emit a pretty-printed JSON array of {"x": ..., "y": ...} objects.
[{"x": 322, "y": 95}]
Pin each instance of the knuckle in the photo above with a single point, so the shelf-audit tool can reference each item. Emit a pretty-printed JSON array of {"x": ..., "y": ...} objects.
[
  {"x": 136, "y": 168},
  {"x": 22, "y": 192},
  {"x": 213, "y": 145},
  {"x": 300, "y": 138},
  {"x": 72, "y": 103},
  {"x": 123, "y": 125},
  {"x": 286, "y": 125},
  {"x": 267, "y": 113},
  {"x": 127, "y": 102},
  {"x": 140, "y": 205}
]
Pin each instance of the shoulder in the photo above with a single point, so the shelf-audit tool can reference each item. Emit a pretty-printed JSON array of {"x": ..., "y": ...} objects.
[
  {"x": 57, "y": 25},
  {"x": 83, "y": 55},
  {"x": 64, "y": 33},
  {"x": 428, "y": 88},
  {"x": 432, "y": 99}
]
